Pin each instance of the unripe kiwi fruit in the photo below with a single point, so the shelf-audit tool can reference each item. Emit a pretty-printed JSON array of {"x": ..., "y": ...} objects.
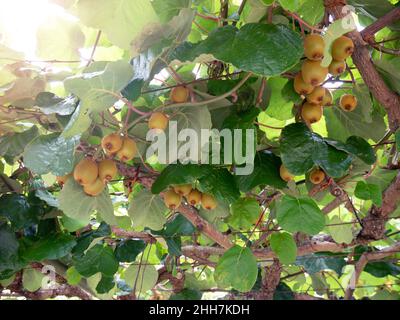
[
  {"x": 336, "y": 68},
  {"x": 328, "y": 99},
  {"x": 158, "y": 120},
  {"x": 111, "y": 143},
  {"x": 317, "y": 96},
  {"x": 172, "y": 200},
  {"x": 86, "y": 172},
  {"x": 313, "y": 73},
  {"x": 107, "y": 170},
  {"x": 194, "y": 197},
  {"x": 208, "y": 201},
  {"x": 128, "y": 150},
  {"x": 301, "y": 87},
  {"x": 342, "y": 48},
  {"x": 179, "y": 94},
  {"x": 285, "y": 174},
  {"x": 317, "y": 176},
  {"x": 311, "y": 113},
  {"x": 348, "y": 102},
  {"x": 95, "y": 188},
  {"x": 314, "y": 47},
  {"x": 183, "y": 189}
]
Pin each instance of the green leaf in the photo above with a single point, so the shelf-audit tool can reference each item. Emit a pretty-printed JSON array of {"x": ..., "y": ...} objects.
[
  {"x": 280, "y": 105},
  {"x": 179, "y": 226},
  {"x": 266, "y": 172},
  {"x": 357, "y": 147},
  {"x": 167, "y": 9},
  {"x": 216, "y": 181},
  {"x": 301, "y": 149},
  {"x": 300, "y": 215},
  {"x": 397, "y": 137},
  {"x": 237, "y": 268},
  {"x": 340, "y": 232},
  {"x": 79, "y": 206},
  {"x": 32, "y": 279},
  {"x": 105, "y": 285},
  {"x": 99, "y": 258},
  {"x": 284, "y": 246},
  {"x": 147, "y": 210},
  {"x": 283, "y": 292},
  {"x": 132, "y": 18},
  {"x": 187, "y": 294},
  {"x": 145, "y": 277},
  {"x": 13, "y": 146},
  {"x": 52, "y": 247},
  {"x": 128, "y": 250},
  {"x": 8, "y": 249},
  {"x": 17, "y": 210},
  {"x": 317, "y": 262},
  {"x": 49, "y": 103},
  {"x": 79, "y": 122},
  {"x": 63, "y": 44},
  {"x": 247, "y": 49},
  {"x": 244, "y": 213},
  {"x": 382, "y": 269},
  {"x": 368, "y": 191},
  {"x": 73, "y": 277},
  {"x": 96, "y": 89},
  {"x": 51, "y": 154}
]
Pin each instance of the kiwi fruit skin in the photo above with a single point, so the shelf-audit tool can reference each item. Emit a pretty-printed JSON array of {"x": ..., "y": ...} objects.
[
  {"x": 328, "y": 99},
  {"x": 317, "y": 96},
  {"x": 107, "y": 170},
  {"x": 314, "y": 47},
  {"x": 313, "y": 73},
  {"x": 179, "y": 94},
  {"x": 61, "y": 180},
  {"x": 285, "y": 174},
  {"x": 311, "y": 113},
  {"x": 158, "y": 121},
  {"x": 94, "y": 189},
  {"x": 172, "y": 200},
  {"x": 348, "y": 102},
  {"x": 301, "y": 87},
  {"x": 194, "y": 197},
  {"x": 183, "y": 189},
  {"x": 208, "y": 201},
  {"x": 317, "y": 176},
  {"x": 128, "y": 150},
  {"x": 336, "y": 68},
  {"x": 342, "y": 48},
  {"x": 111, "y": 143},
  {"x": 86, "y": 171}
]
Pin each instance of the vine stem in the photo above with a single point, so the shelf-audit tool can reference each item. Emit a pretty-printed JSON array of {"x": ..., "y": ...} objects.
[{"x": 213, "y": 100}]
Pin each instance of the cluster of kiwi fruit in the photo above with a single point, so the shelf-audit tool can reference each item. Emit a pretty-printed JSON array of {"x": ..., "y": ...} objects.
[
  {"x": 316, "y": 175},
  {"x": 309, "y": 80},
  {"x": 173, "y": 197}
]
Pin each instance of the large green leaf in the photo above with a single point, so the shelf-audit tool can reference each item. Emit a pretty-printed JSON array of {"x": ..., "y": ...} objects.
[
  {"x": 218, "y": 182},
  {"x": 317, "y": 262},
  {"x": 301, "y": 149},
  {"x": 141, "y": 277},
  {"x": 52, "y": 247},
  {"x": 99, "y": 258},
  {"x": 300, "y": 214},
  {"x": 237, "y": 268},
  {"x": 280, "y": 104},
  {"x": 244, "y": 213},
  {"x": 147, "y": 210},
  {"x": 340, "y": 231},
  {"x": 284, "y": 246},
  {"x": 32, "y": 279},
  {"x": 247, "y": 49},
  {"x": 8, "y": 248},
  {"x": 12, "y": 146},
  {"x": 128, "y": 250},
  {"x": 79, "y": 206},
  {"x": 121, "y": 20},
  {"x": 368, "y": 191},
  {"x": 49, "y": 103},
  {"x": 266, "y": 172},
  {"x": 51, "y": 154},
  {"x": 17, "y": 210}
]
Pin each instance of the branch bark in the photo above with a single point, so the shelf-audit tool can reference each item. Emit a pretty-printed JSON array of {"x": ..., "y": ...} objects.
[
  {"x": 379, "y": 24},
  {"x": 362, "y": 59},
  {"x": 363, "y": 261}
]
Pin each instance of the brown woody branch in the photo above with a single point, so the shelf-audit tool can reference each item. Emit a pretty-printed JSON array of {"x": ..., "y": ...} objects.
[
  {"x": 362, "y": 59},
  {"x": 363, "y": 261},
  {"x": 381, "y": 23}
]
